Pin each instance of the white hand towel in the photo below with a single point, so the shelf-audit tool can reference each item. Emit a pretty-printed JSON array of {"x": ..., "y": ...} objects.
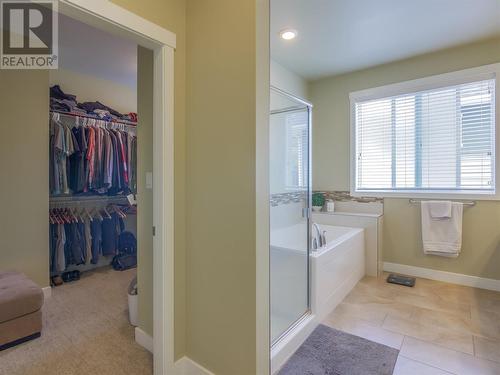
[
  {"x": 440, "y": 209},
  {"x": 442, "y": 236}
]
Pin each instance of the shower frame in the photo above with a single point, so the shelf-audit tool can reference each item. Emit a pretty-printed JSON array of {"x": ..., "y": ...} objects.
[{"x": 307, "y": 211}]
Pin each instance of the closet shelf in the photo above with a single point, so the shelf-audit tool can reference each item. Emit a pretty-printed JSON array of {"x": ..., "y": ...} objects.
[
  {"x": 114, "y": 121},
  {"x": 88, "y": 199}
]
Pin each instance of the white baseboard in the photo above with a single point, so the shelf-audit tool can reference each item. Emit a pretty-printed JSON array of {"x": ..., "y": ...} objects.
[
  {"x": 143, "y": 339},
  {"x": 186, "y": 366},
  {"x": 47, "y": 292},
  {"x": 448, "y": 277}
]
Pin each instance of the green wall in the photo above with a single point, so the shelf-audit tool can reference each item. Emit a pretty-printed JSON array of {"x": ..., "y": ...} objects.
[
  {"x": 171, "y": 15},
  {"x": 221, "y": 127},
  {"x": 24, "y": 162},
  {"x": 402, "y": 244}
]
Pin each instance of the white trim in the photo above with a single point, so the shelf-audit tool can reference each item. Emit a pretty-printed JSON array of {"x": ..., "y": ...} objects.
[
  {"x": 47, "y": 292},
  {"x": 262, "y": 291},
  {"x": 137, "y": 28},
  {"x": 143, "y": 339},
  {"x": 108, "y": 16},
  {"x": 163, "y": 214},
  {"x": 448, "y": 277},
  {"x": 186, "y": 366},
  {"x": 442, "y": 80}
]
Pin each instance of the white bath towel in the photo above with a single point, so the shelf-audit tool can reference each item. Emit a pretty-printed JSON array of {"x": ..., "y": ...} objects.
[
  {"x": 440, "y": 209},
  {"x": 442, "y": 236}
]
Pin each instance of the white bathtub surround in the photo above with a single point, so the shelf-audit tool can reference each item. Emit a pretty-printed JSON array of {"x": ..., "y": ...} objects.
[
  {"x": 442, "y": 235},
  {"x": 336, "y": 268},
  {"x": 372, "y": 223}
]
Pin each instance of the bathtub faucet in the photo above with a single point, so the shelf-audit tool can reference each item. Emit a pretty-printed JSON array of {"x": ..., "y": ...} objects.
[{"x": 319, "y": 240}]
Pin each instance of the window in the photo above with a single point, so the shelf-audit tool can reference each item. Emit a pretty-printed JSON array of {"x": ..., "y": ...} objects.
[
  {"x": 297, "y": 150},
  {"x": 438, "y": 139}
]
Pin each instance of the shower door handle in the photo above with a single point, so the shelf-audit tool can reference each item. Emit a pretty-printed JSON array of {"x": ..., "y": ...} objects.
[{"x": 305, "y": 212}]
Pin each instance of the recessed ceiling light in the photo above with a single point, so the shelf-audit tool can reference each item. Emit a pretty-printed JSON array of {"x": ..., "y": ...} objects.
[{"x": 288, "y": 34}]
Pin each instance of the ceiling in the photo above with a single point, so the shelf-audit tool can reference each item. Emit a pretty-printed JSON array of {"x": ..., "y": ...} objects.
[
  {"x": 87, "y": 50},
  {"x": 340, "y": 36}
]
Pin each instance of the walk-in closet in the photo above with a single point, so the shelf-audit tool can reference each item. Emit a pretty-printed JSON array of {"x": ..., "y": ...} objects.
[{"x": 92, "y": 263}]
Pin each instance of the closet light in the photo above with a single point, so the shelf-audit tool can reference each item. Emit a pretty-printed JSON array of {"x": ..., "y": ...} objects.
[{"x": 288, "y": 34}]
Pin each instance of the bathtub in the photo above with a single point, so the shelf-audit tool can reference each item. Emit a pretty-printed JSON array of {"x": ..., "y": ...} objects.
[
  {"x": 334, "y": 271},
  {"x": 336, "y": 267}
]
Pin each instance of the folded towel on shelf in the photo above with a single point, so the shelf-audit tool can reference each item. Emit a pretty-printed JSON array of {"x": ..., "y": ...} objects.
[
  {"x": 440, "y": 209},
  {"x": 441, "y": 235}
]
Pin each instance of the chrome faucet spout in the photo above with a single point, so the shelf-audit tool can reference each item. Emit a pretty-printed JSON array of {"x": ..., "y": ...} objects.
[{"x": 318, "y": 236}]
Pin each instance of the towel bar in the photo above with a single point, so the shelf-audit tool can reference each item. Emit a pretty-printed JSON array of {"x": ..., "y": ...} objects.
[{"x": 465, "y": 203}]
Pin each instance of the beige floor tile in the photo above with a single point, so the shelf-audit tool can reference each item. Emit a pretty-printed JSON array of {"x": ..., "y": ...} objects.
[
  {"x": 371, "y": 314},
  {"x": 447, "y": 359},
  {"x": 406, "y": 366},
  {"x": 487, "y": 348},
  {"x": 379, "y": 285},
  {"x": 348, "y": 323},
  {"x": 375, "y": 306},
  {"x": 434, "y": 334},
  {"x": 485, "y": 323},
  {"x": 442, "y": 319},
  {"x": 434, "y": 303}
]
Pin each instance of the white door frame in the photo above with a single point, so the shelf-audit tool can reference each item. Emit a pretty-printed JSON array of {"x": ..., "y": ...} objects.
[{"x": 105, "y": 15}]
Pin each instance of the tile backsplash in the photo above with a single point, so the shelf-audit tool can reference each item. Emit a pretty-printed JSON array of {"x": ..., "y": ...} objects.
[
  {"x": 287, "y": 198},
  {"x": 338, "y": 196},
  {"x": 345, "y": 196}
]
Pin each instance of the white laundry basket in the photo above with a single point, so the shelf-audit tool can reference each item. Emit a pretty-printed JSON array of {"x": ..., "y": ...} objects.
[{"x": 133, "y": 302}]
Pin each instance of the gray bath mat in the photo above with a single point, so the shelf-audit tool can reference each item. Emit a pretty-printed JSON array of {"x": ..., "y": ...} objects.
[{"x": 330, "y": 352}]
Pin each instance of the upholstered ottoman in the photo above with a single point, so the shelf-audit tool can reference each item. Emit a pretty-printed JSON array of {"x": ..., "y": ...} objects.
[{"x": 21, "y": 301}]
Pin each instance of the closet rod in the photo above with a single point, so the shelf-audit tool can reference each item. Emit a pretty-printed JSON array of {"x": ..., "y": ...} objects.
[
  {"x": 87, "y": 199},
  {"x": 75, "y": 115}
]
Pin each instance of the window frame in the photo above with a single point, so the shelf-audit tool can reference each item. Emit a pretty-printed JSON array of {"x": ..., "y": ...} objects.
[{"x": 485, "y": 72}]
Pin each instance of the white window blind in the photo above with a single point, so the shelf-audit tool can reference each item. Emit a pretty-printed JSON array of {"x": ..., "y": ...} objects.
[
  {"x": 439, "y": 140},
  {"x": 297, "y": 150}
]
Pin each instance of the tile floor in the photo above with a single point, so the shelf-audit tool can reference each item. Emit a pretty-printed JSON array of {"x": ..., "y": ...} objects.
[
  {"x": 86, "y": 331},
  {"x": 439, "y": 328}
]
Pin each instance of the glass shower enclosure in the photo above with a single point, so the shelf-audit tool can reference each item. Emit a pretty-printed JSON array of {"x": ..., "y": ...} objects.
[{"x": 290, "y": 189}]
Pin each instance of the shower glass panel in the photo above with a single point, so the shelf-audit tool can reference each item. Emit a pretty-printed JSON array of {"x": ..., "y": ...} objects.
[{"x": 289, "y": 210}]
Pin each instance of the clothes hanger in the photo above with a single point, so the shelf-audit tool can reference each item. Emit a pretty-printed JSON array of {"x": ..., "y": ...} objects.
[
  {"x": 96, "y": 212},
  {"x": 72, "y": 214},
  {"x": 80, "y": 215},
  {"x": 106, "y": 212},
  {"x": 119, "y": 211},
  {"x": 88, "y": 214}
]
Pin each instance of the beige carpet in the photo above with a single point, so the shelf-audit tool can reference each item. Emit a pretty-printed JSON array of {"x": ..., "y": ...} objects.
[{"x": 85, "y": 331}]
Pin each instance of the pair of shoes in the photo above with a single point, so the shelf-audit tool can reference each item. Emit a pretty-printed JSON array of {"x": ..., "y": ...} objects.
[
  {"x": 71, "y": 276},
  {"x": 56, "y": 280}
]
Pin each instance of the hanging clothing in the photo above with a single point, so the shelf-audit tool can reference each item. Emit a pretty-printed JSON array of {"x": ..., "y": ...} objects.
[
  {"x": 92, "y": 160},
  {"x": 88, "y": 241},
  {"x": 83, "y": 242},
  {"x": 96, "y": 234},
  {"x": 111, "y": 228}
]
